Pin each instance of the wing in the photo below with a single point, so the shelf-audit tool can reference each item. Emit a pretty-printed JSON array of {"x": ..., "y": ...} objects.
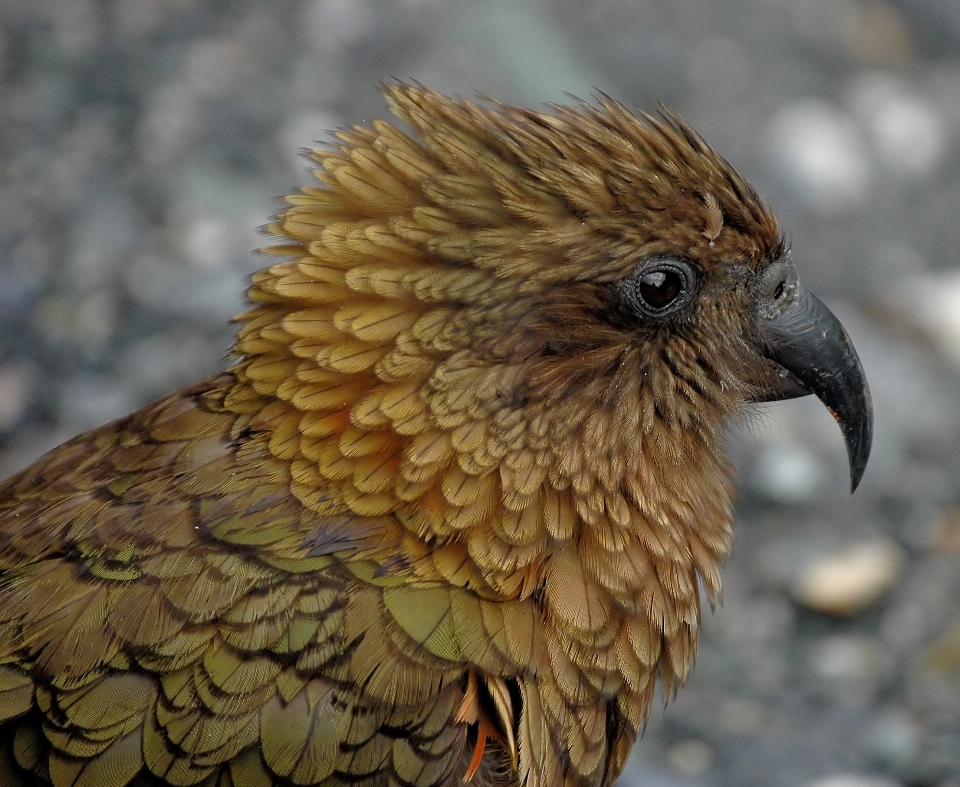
[{"x": 171, "y": 613}]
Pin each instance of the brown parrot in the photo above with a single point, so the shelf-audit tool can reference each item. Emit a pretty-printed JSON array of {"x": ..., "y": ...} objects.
[{"x": 448, "y": 516}]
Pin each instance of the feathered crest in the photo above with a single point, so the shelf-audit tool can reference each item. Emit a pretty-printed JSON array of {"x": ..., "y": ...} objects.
[{"x": 628, "y": 171}]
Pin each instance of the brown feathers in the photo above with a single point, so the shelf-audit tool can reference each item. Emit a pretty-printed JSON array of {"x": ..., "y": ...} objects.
[{"x": 446, "y": 517}]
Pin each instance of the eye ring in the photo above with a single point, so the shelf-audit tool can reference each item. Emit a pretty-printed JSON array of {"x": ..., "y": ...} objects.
[{"x": 660, "y": 287}]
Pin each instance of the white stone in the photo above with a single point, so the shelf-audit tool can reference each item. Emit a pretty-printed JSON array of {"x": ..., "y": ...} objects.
[
  {"x": 850, "y": 580},
  {"x": 930, "y": 303},
  {"x": 821, "y": 154},
  {"x": 854, "y": 780},
  {"x": 908, "y": 133}
]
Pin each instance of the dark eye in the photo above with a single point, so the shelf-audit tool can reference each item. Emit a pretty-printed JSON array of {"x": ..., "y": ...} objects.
[{"x": 659, "y": 287}]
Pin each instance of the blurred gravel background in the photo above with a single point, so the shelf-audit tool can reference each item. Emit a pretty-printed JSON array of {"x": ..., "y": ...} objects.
[{"x": 142, "y": 142}]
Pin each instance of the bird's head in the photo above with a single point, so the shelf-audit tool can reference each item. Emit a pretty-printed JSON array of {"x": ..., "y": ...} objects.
[{"x": 511, "y": 303}]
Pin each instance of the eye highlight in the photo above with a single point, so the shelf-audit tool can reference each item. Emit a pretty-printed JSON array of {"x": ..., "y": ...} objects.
[{"x": 659, "y": 287}]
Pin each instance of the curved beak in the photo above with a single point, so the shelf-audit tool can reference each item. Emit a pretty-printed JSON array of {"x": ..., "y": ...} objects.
[{"x": 815, "y": 355}]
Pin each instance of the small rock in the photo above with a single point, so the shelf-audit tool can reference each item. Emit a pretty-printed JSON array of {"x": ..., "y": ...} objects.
[
  {"x": 787, "y": 473},
  {"x": 848, "y": 581},
  {"x": 852, "y": 669},
  {"x": 930, "y": 304},
  {"x": 854, "y": 780},
  {"x": 908, "y": 133},
  {"x": 893, "y": 739},
  {"x": 821, "y": 155},
  {"x": 941, "y": 658},
  {"x": 742, "y": 717},
  {"x": 87, "y": 322},
  {"x": 15, "y": 382},
  {"x": 845, "y": 657},
  {"x": 691, "y": 757},
  {"x": 171, "y": 120},
  {"x": 207, "y": 241}
]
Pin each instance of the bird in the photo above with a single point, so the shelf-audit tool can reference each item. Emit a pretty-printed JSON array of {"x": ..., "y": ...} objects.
[{"x": 451, "y": 513}]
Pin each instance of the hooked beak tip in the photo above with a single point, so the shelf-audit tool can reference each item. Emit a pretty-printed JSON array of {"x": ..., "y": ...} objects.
[{"x": 808, "y": 341}]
